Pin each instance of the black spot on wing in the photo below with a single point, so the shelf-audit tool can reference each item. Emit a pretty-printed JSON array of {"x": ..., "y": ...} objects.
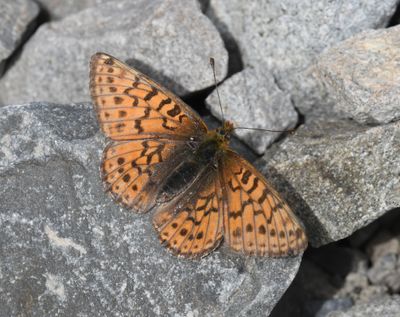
[{"x": 174, "y": 111}]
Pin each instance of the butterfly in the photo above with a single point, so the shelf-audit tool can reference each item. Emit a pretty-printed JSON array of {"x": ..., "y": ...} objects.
[{"x": 162, "y": 156}]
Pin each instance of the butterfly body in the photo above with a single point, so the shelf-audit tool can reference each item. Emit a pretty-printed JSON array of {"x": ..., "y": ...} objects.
[{"x": 163, "y": 156}]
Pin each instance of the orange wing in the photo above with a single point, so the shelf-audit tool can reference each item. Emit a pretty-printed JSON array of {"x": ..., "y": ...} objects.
[
  {"x": 257, "y": 220},
  {"x": 191, "y": 225},
  {"x": 149, "y": 126},
  {"x": 133, "y": 171},
  {"x": 130, "y": 105}
]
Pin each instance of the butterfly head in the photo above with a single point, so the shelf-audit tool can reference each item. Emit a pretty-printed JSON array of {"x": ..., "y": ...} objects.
[{"x": 225, "y": 131}]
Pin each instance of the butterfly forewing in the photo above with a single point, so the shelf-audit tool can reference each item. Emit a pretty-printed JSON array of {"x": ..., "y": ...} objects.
[
  {"x": 150, "y": 128},
  {"x": 257, "y": 220},
  {"x": 131, "y": 106}
]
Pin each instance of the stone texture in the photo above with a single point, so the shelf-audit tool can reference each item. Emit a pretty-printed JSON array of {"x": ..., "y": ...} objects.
[
  {"x": 171, "y": 41},
  {"x": 386, "y": 272},
  {"x": 339, "y": 304},
  {"x": 388, "y": 306},
  {"x": 67, "y": 249},
  {"x": 363, "y": 75},
  {"x": 382, "y": 244},
  {"x": 16, "y": 18},
  {"x": 336, "y": 274},
  {"x": 284, "y": 37},
  {"x": 58, "y": 9},
  {"x": 338, "y": 176},
  {"x": 252, "y": 99}
]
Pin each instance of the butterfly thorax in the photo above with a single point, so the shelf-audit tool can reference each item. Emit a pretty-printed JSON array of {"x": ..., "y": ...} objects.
[{"x": 214, "y": 144}]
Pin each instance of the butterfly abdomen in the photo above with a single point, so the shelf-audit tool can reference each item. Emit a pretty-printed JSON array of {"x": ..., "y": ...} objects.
[{"x": 181, "y": 177}]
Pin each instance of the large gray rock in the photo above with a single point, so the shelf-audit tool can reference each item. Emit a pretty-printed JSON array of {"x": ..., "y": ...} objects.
[
  {"x": 252, "y": 99},
  {"x": 386, "y": 272},
  {"x": 58, "y": 9},
  {"x": 284, "y": 37},
  {"x": 16, "y": 17},
  {"x": 67, "y": 249},
  {"x": 388, "y": 306},
  {"x": 169, "y": 40},
  {"x": 363, "y": 75},
  {"x": 338, "y": 175}
]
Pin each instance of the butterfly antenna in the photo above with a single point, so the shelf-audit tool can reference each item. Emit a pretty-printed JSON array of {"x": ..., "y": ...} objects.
[
  {"x": 266, "y": 130},
  {"x": 212, "y": 63}
]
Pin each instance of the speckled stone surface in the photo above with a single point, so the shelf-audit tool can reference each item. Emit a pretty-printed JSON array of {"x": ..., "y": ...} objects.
[
  {"x": 388, "y": 306},
  {"x": 16, "y": 17},
  {"x": 58, "y": 9},
  {"x": 363, "y": 75},
  {"x": 252, "y": 99},
  {"x": 285, "y": 37},
  {"x": 67, "y": 249},
  {"x": 164, "y": 39},
  {"x": 339, "y": 176}
]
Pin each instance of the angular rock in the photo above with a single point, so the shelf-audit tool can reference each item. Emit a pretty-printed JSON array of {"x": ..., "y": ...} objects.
[
  {"x": 353, "y": 285},
  {"x": 382, "y": 244},
  {"x": 338, "y": 176},
  {"x": 336, "y": 304},
  {"x": 58, "y": 9},
  {"x": 171, "y": 41},
  {"x": 371, "y": 292},
  {"x": 252, "y": 99},
  {"x": 66, "y": 247},
  {"x": 388, "y": 306},
  {"x": 363, "y": 75},
  {"x": 284, "y": 37},
  {"x": 386, "y": 271},
  {"x": 16, "y": 17}
]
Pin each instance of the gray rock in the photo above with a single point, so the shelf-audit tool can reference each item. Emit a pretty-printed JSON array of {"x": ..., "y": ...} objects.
[
  {"x": 371, "y": 292},
  {"x": 252, "y": 99},
  {"x": 58, "y": 9},
  {"x": 67, "y": 249},
  {"x": 171, "y": 41},
  {"x": 353, "y": 285},
  {"x": 336, "y": 304},
  {"x": 338, "y": 175},
  {"x": 363, "y": 75},
  {"x": 382, "y": 244},
  {"x": 285, "y": 37},
  {"x": 386, "y": 271},
  {"x": 388, "y": 306},
  {"x": 16, "y": 17}
]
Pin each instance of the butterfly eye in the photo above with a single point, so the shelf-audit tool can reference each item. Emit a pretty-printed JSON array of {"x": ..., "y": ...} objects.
[{"x": 192, "y": 144}]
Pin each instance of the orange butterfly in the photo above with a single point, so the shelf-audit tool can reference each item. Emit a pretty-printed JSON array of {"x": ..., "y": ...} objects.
[{"x": 162, "y": 154}]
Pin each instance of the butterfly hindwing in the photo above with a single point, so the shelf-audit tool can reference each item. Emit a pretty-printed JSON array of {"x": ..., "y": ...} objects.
[
  {"x": 257, "y": 220},
  {"x": 130, "y": 106},
  {"x": 191, "y": 225}
]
